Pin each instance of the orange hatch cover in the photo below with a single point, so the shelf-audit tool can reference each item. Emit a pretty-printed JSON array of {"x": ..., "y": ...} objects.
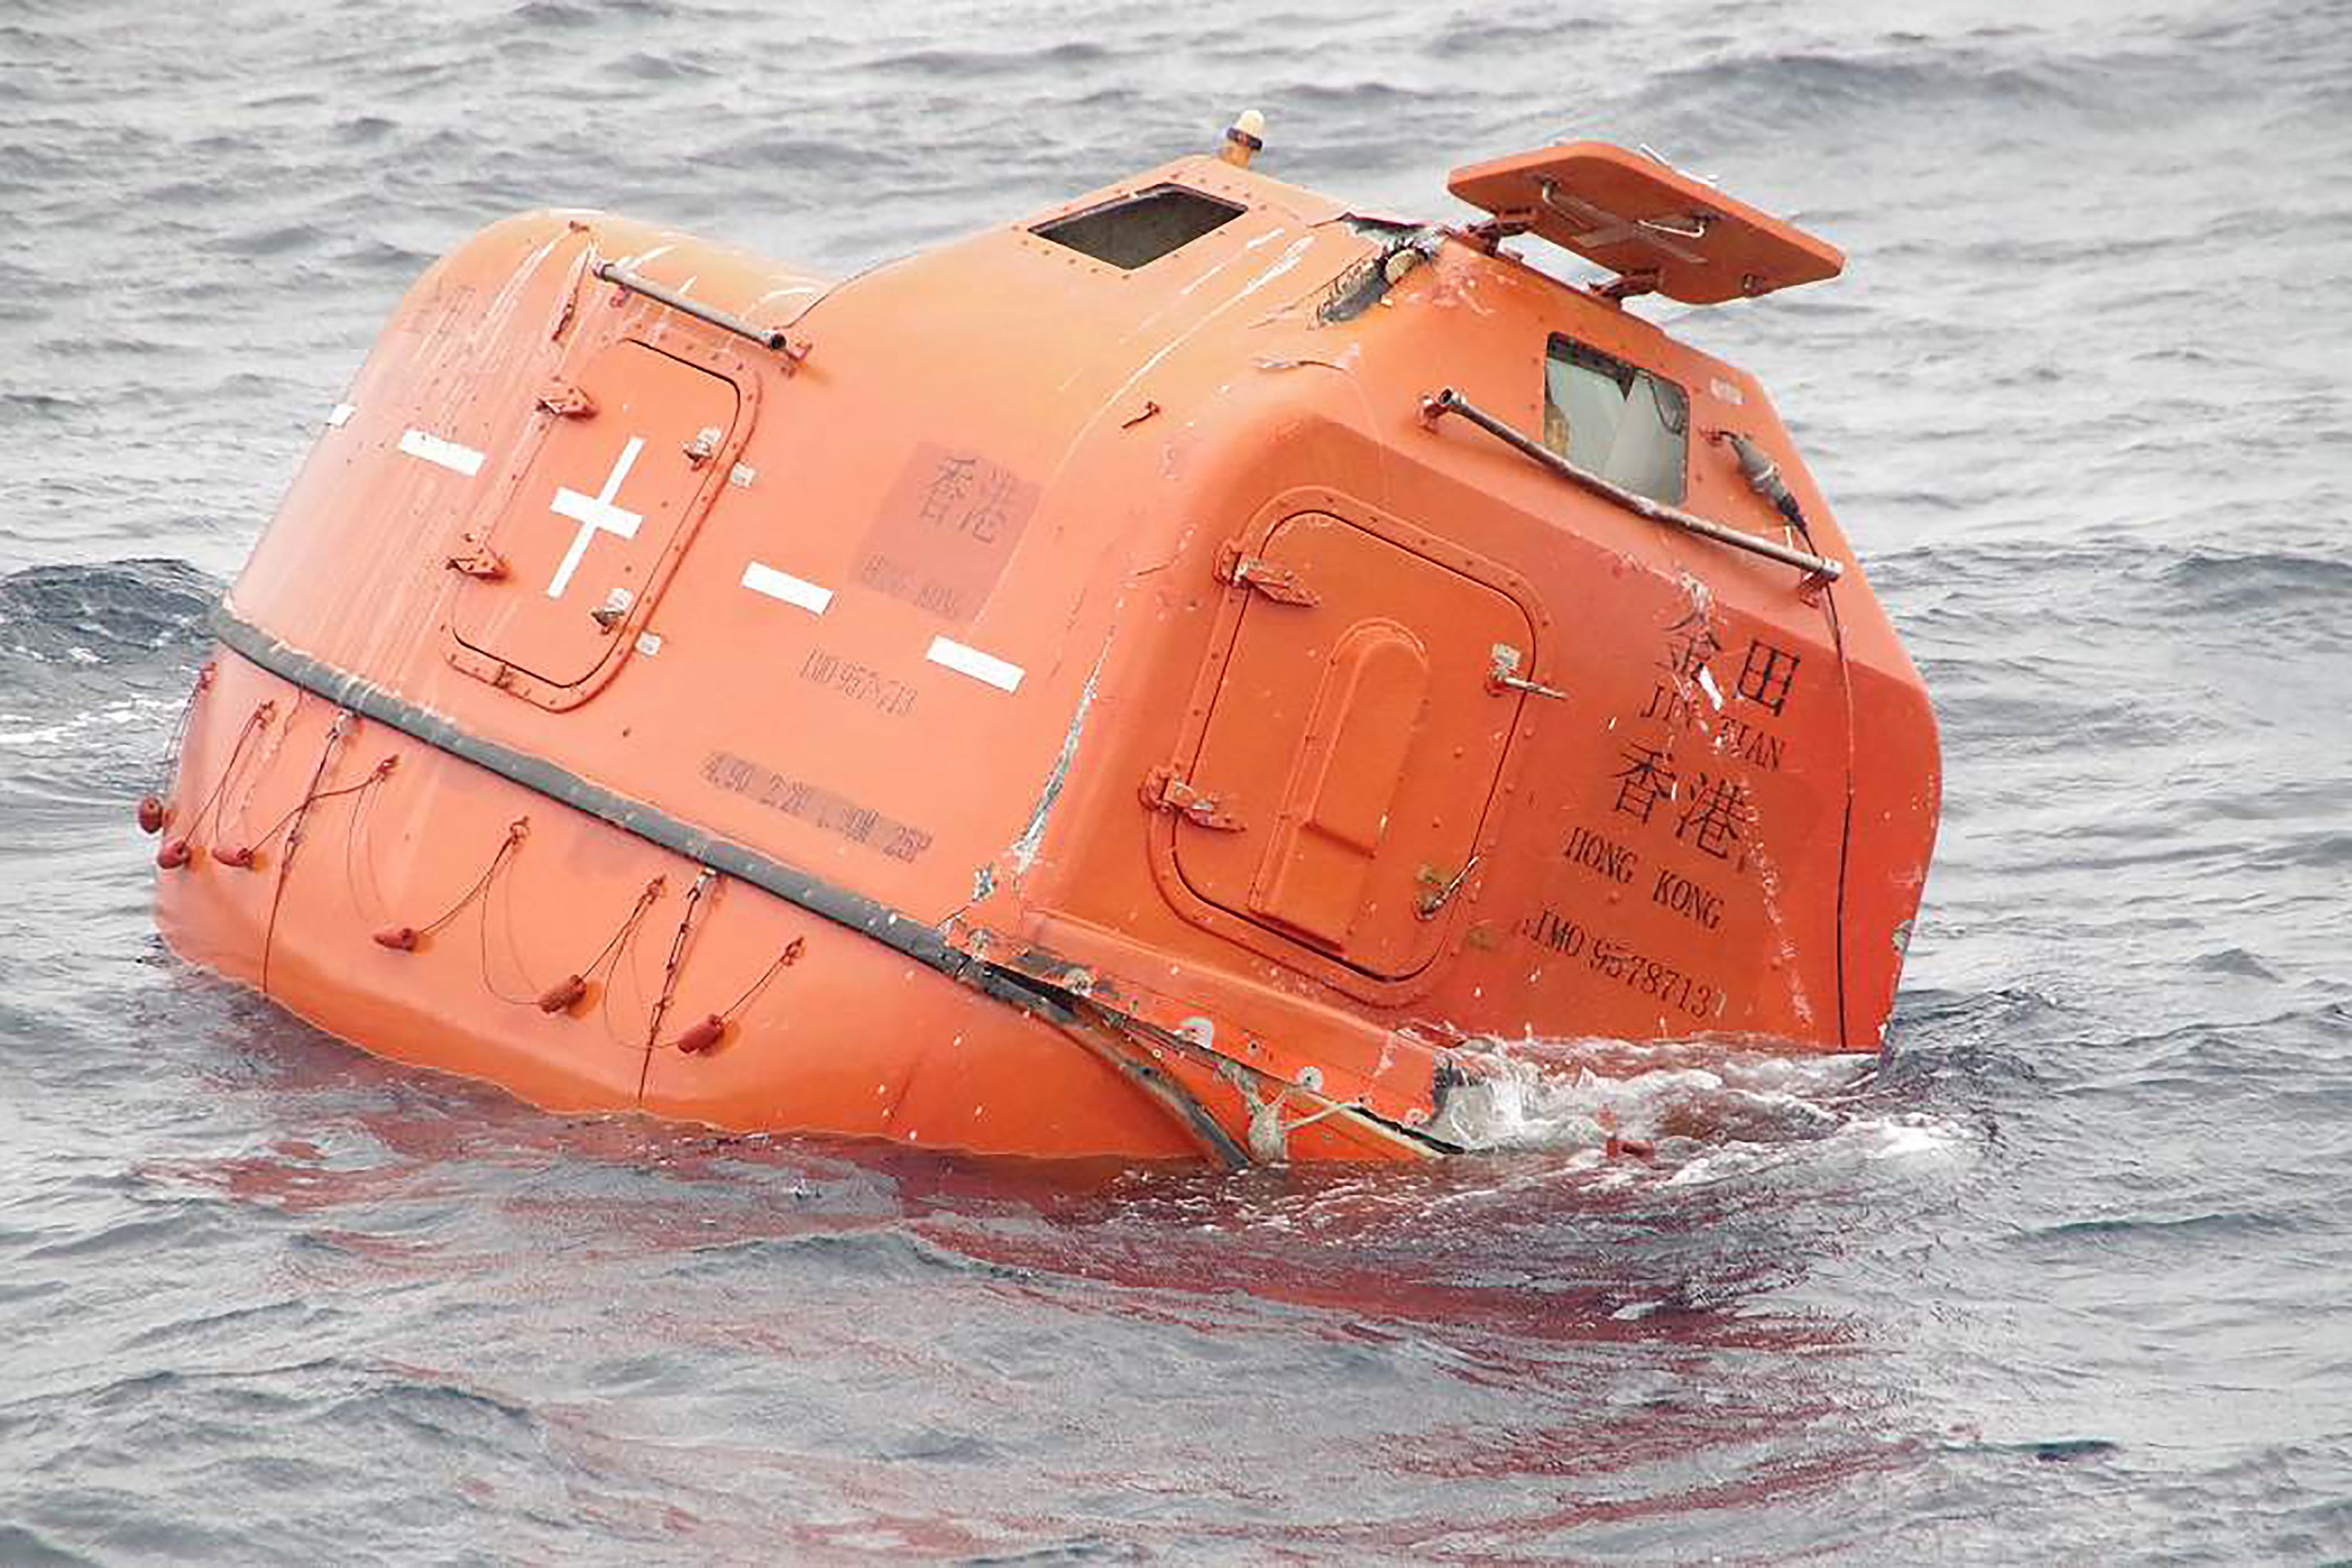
[{"x": 1646, "y": 221}]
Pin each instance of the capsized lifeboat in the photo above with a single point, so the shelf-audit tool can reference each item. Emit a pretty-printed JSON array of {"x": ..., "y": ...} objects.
[{"x": 1151, "y": 680}]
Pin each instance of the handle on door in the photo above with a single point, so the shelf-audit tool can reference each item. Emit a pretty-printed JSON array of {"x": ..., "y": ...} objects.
[{"x": 1504, "y": 676}]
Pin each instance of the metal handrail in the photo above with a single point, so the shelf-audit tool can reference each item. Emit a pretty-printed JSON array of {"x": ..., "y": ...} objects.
[
  {"x": 1448, "y": 401},
  {"x": 612, "y": 272}
]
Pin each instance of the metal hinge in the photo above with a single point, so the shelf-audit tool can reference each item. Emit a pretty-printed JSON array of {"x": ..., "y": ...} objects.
[
  {"x": 1504, "y": 676},
  {"x": 1279, "y": 583},
  {"x": 566, "y": 401},
  {"x": 479, "y": 561},
  {"x": 1438, "y": 888},
  {"x": 1163, "y": 791},
  {"x": 699, "y": 450}
]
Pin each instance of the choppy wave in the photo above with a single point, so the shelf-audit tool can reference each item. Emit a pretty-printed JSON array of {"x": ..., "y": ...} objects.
[{"x": 2060, "y": 1275}]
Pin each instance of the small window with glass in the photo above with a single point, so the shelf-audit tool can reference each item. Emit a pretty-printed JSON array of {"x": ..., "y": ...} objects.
[
  {"x": 1138, "y": 229},
  {"x": 1616, "y": 420}
]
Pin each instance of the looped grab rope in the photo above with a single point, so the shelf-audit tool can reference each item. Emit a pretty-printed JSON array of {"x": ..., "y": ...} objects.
[
  {"x": 153, "y": 811},
  {"x": 178, "y": 850},
  {"x": 568, "y": 993},
  {"x": 707, "y": 1033},
  {"x": 243, "y": 855},
  {"x": 405, "y": 938}
]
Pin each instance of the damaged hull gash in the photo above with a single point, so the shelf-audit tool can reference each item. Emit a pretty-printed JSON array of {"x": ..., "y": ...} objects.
[{"x": 1148, "y": 681}]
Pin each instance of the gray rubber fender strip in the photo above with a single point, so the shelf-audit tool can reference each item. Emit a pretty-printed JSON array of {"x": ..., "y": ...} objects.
[{"x": 901, "y": 933}]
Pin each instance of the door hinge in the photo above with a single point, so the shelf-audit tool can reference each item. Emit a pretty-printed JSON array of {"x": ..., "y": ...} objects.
[
  {"x": 1438, "y": 888},
  {"x": 566, "y": 401},
  {"x": 1504, "y": 676},
  {"x": 1163, "y": 791},
  {"x": 699, "y": 450},
  {"x": 1279, "y": 583},
  {"x": 479, "y": 561}
]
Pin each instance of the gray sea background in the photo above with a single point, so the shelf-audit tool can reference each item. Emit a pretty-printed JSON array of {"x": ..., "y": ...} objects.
[{"x": 2063, "y": 1277}]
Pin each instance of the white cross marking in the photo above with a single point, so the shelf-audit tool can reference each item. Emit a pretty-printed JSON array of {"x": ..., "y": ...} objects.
[{"x": 595, "y": 514}]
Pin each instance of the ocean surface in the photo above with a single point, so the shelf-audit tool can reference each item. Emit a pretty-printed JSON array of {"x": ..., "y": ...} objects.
[{"x": 2063, "y": 1277}]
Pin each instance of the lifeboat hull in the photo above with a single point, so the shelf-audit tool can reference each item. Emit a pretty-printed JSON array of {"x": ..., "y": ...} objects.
[
  {"x": 321, "y": 864},
  {"x": 1156, "y": 715}
]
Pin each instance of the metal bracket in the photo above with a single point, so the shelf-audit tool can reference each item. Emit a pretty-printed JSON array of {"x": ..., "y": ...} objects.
[
  {"x": 1279, "y": 583},
  {"x": 1489, "y": 234},
  {"x": 1163, "y": 791}
]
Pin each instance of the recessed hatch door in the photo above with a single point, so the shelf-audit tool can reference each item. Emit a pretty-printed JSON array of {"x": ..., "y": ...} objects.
[
  {"x": 582, "y": 532},
  {"x": 1352, "y": 747}
]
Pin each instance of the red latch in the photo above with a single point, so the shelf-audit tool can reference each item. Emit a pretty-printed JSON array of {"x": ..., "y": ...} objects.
[
  {"x": 1279, "y": 583},
  {"x": 1163, "y": 791}
]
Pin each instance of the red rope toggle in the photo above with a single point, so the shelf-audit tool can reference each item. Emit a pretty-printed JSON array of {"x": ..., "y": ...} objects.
[
  {"x": 711, "y": 1033},
  {"x": 564, "y": 994},
  {"x": 569, "y": 992}
]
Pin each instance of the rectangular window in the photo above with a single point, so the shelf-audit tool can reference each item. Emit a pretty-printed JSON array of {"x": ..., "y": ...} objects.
[
  {"x": 1141, "y": 227},
  {"x": 1630, "y": 427}
]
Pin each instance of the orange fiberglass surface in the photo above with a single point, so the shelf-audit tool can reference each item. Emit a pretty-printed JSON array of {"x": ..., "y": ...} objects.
[{"x": 1153, "y": 679}]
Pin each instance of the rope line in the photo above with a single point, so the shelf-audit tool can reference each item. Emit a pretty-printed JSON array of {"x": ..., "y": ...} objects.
[
  {"x": 677, "y": 958},
  {"x": 566, "y": 992},
  {"x": 177, "y": 851},
  {"x": 405, "y": 938},
  {"x": 153, "y": 813},
  {"x": 243, "y": 857}
]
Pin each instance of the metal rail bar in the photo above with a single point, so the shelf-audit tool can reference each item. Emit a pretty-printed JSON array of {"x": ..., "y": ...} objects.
[
  {"x": 612, "y": 272},
  {"x": 1448, "y": 401}
]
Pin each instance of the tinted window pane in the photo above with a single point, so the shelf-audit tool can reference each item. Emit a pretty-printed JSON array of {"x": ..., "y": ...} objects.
[
  {"x": 1622, "y": 423},
  {"x": 1142, "y": 227}
]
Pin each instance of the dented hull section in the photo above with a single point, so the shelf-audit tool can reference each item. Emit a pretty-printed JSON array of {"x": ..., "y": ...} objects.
[{"x": 1061, "y": 694}]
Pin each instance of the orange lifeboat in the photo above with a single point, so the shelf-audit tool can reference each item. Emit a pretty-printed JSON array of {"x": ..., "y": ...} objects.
[{"x": 1152, "y": 679}]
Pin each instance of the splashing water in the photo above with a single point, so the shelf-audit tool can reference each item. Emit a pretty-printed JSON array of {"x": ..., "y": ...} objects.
[{"x": 1696, "y": 1108}]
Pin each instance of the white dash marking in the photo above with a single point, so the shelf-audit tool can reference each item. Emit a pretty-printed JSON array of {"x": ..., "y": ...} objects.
[
  {"x": 447, "y": 454},
  {"x": 340, "y": 416},
  {"x": 1714, "y": 693},
  {"x": 981, "y": 667},
  {"x": 762, "y": 578}
]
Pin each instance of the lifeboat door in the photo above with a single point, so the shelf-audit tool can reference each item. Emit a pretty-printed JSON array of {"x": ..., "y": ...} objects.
[
  {"x": 583, "y": 532},
  {"x": 1353, "y": 746}
]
